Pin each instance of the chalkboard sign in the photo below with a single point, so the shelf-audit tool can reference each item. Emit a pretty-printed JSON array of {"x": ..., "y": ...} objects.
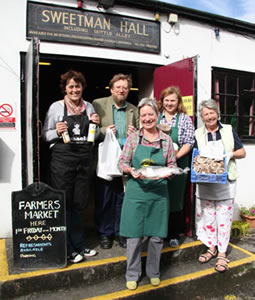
[{"x": 39, "y": 227}]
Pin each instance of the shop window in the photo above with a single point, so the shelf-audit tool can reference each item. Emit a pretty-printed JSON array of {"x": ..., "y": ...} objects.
[{"x": 235, "y": 93}]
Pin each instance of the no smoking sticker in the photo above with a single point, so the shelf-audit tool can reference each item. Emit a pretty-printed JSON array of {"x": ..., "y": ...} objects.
[
  {"x": 6, "y": 110},
  {"x": 7, "y": 116}
]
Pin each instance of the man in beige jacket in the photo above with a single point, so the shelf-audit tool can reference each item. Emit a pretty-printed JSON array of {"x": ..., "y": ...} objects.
[{"x": 123, "y": 119}]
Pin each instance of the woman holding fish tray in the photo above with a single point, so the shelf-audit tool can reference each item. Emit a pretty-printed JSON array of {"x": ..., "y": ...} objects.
[
  {"x": 174, "y": 121},
  {"x": 215, "y": 201},
  {"x": 145, "y": 207}
]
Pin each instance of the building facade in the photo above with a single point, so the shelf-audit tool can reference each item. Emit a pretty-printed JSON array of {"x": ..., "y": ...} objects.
[{"x": 159, "y": 44}]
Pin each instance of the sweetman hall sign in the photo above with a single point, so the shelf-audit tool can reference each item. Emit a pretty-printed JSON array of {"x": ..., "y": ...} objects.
[{"x": 67, "y": 25}]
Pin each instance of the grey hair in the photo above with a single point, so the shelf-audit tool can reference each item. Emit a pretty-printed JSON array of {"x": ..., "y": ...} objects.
[
  {"x": 150, "y": 102},
  {"x": 210, "y": 104}
]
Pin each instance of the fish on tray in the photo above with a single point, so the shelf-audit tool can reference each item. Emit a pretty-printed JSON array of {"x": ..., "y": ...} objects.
[{"x": 157, "y": 171}]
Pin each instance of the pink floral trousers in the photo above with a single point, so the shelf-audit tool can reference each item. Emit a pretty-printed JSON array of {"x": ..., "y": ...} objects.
[{"x": 214, "y": 221}]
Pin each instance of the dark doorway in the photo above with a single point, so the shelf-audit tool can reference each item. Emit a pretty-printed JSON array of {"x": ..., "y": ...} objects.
[{"x": 98, "y": 73}]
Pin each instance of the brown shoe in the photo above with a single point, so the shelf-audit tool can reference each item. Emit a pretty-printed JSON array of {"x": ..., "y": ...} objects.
[
  {"x": 222, "y": 264},
  {"x": 207, "y": 256}
]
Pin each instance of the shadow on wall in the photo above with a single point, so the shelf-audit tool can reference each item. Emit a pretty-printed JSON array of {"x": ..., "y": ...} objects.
[
  {"x": 236, "y": 216},
  {"x": 6, "y": 161}
]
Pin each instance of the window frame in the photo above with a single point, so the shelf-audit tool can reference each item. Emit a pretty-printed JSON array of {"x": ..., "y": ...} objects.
[{"x": 229, "y": 89}]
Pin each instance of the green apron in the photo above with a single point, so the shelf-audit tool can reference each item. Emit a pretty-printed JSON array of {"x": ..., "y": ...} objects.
[
  {"x": 145, "y": 207},
  {"x": 177, "y": 185}
]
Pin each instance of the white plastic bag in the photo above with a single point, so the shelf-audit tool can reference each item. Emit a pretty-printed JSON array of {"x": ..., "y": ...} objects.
[
  {"x": 108, "y": 156},
  {"x": 101, "y": 168}
]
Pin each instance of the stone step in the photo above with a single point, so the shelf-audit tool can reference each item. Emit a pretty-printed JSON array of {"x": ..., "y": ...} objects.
[{"x": 103, "y": 276}]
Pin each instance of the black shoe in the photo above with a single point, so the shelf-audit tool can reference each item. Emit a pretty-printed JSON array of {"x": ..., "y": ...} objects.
[
  {"x": 75, "y": 258},
  {"x": 122, "y": 241},
  {"x": 105, "y": 242}
]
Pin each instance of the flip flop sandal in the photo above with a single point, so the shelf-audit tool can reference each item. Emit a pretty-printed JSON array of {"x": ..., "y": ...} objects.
[
  {"x": 206, "y": 257},
  {"x": 224, "y": 266}
]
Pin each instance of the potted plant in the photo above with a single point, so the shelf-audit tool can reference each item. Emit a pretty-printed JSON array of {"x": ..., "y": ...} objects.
[{"x": 248, "y": 215}]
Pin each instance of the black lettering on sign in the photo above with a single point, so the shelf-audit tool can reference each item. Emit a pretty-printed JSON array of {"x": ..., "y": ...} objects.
[{"x": 39, "y": 227}]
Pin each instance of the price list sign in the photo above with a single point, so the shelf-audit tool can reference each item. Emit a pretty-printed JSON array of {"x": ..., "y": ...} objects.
[{"x": 39, "y": 227}]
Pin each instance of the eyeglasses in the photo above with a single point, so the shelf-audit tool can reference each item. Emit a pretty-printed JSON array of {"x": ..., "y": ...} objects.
[{"x": 121, "y": 88}]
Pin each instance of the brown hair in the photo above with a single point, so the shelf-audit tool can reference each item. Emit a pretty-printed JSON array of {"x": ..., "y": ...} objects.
[
  {"x": 169, "y": 91},
  {"x": 71, "y": 74},
  {"x": 121, "y": 76}
]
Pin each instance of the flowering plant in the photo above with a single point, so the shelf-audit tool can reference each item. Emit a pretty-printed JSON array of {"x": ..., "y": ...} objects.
[{"x": 247, "y": 211}]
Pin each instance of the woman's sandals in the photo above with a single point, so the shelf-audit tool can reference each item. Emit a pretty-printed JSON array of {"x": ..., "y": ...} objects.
[
  {"x": 221, "y": 267},
  {"x": 207, "y": 256}
]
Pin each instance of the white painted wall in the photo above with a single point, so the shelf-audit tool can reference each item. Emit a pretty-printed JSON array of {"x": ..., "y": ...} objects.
[
  {"x": 12, "y": 41},
  {"x": 229, "y": 51}
]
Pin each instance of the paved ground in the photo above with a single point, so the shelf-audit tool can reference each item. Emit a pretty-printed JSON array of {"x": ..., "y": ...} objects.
[{"x": 102, "y": 276}]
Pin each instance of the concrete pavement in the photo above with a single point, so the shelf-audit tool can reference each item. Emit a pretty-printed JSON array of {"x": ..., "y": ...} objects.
[{"x": 103, "y": 276}]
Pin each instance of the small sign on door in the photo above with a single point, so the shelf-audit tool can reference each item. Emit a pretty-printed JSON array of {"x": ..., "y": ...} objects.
[{"x": 188, "y": 104}]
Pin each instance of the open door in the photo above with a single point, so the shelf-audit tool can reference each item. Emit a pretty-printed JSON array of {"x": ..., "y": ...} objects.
[
  {"x": 31, "y": 137},
  {"x": 182, "y": 74}
]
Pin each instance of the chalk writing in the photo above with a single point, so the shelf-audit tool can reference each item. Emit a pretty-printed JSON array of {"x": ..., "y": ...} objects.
[{"x": 39, "y": 229}]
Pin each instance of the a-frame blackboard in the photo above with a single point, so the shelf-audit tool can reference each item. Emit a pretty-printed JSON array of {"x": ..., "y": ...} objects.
[{"x": 39, "y": 227}]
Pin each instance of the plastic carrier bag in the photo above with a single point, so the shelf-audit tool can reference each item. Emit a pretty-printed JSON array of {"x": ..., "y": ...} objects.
[{"x": 108, "y": 156}]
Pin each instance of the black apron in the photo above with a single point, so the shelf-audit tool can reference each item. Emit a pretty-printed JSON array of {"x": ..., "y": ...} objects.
[{"x": 70, "y": 168}]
